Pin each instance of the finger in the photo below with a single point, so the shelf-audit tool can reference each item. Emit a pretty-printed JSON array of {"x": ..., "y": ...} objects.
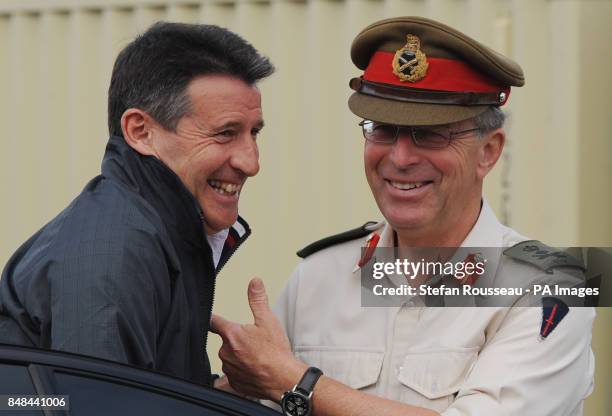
[
  {"x": 220, "y": 326},
  {"x": 223, "y": 384},
  {"x": 225, "y": 353},
  {"x": 237, "y": 380},
  {"x": 258, "y": 300}
]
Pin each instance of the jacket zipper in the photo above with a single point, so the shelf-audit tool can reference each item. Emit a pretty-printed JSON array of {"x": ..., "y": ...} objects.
[{"x": 214, "y": 283}]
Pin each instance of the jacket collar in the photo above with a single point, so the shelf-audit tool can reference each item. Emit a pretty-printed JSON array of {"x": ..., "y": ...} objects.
[{"x": 160, "y": 187}]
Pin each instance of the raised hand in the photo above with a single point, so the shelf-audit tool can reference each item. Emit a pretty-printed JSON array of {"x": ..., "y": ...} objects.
[{"x": 257, "y": 358}]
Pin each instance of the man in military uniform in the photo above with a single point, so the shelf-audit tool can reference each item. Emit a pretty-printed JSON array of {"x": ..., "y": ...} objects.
[{"x": 430, "y": 99}]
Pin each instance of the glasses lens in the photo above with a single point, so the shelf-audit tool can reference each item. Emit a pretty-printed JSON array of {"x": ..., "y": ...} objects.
[
  {"x": 429, "y": 139},
  {"x": 379, "y": 133}
]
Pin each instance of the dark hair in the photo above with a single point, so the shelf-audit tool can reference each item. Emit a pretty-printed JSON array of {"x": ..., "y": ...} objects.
[{"x": 153, "y": 71}]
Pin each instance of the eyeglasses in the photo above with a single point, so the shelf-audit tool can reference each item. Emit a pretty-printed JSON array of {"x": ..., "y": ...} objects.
[{"x": 430, "y": 137}]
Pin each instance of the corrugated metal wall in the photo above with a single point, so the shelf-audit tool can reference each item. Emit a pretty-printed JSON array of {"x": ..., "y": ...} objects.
[{"x": 554, "y": 182}]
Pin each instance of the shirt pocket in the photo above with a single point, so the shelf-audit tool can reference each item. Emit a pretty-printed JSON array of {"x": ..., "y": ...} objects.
[
  {"x": 431, "y": 379},
  {"x": 359, "y": 369}
]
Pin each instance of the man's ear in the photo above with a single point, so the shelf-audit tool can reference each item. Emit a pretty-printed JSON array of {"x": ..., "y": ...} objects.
[
  {"x": 137, "y": 127},
  {"x": 490, "y": 151}
]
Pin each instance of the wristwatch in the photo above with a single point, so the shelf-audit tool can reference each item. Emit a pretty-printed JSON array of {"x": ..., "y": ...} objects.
[{"x": 298, "y": 401}]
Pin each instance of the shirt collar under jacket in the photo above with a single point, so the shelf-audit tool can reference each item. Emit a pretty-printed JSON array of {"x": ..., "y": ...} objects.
[{"x": 216, "y": 242}]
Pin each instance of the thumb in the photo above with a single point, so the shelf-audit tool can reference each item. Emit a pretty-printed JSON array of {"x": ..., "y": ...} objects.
[
  {"x": 219, "y": 325},
  {"x": 258, "y": 300}
]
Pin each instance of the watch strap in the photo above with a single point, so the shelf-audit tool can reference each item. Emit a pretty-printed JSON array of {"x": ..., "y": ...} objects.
[{"x": 309, "y": 380}]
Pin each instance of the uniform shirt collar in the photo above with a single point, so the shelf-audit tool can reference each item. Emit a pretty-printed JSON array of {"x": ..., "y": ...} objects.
[{"x": 486, "y": 232}]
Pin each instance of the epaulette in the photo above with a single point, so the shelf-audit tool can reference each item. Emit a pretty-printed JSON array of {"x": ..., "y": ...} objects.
[
  {"x": 336, "y": 239},
  {"x": 542, "y": 256}
]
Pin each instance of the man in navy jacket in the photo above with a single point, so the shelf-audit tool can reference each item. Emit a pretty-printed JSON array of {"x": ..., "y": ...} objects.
[{"x": 127, "y": 271}]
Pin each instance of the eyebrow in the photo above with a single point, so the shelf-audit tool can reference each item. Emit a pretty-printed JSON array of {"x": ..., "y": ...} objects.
[{"x": 235, "y": 124}]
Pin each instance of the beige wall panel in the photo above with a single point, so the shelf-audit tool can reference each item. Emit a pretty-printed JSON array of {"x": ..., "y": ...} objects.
[
  {"x": 116, "y": 31},
  {"x": 182, "y": 13},
  {"x": 492, "y": 24},
  {"x": 531, "y": 134},
  {"x": 85, "y": 98},
  {"x": 359, "y": 14},
  {"x": 594, "y": 133},
  {"x": 405, "y": 8},
  {"x": 21, "y": 133},
  {"x": 217, "y": 13},
  {"x": 284, "y": 137},
  {"x": 561, "y": 180},
  {"x": 145, "y": 16},
  {"x": 452, "y": 12},
  {"x": 326, "y": 42},
  {"x": 600, "y": 402},
  {"x": 53, "y": 174},
  {"x": 594, "y": 149},
  {"x": 7, "y": 178},
  {"x": 480, "y": 17}
]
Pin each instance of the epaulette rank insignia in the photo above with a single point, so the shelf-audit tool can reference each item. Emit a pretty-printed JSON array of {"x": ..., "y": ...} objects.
[
  {"x": 542, "y": 256},
  {"x": 553, "y": 312},
  {"x": 336, "y": 239}
]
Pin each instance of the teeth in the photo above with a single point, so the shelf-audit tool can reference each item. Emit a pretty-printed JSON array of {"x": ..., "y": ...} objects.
[
  {"x": 406, "y": 185},
  {"x": 224, "y": 187}
]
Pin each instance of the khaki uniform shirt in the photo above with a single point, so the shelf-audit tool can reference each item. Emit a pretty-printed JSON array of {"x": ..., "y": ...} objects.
[{"x": 457, "y": 361}]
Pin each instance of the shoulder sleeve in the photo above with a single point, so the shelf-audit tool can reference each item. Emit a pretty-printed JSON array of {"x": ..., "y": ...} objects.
[
  {"x": 319, "y": 245},
  {"x": 542, "y": 256},
  {"x": 109, "y": 301},
  {"x": 518, "y": 372}
]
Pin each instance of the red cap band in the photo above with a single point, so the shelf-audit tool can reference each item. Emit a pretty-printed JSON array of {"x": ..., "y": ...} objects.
[{"x": 442, "y": 75}]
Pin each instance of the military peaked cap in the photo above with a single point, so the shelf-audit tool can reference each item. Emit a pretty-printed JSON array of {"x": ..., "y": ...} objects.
[{"x": 421, "y": 72}]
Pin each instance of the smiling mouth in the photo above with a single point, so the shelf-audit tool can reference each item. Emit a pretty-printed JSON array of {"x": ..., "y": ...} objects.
[
  {"x": 406, "y": 186},
  {"x": 224, "y": 188}
]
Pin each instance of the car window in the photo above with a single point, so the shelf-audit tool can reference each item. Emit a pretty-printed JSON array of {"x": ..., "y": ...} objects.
[
  {"x": 93, "y": 396},
  {"x": 15, "y": 380}
]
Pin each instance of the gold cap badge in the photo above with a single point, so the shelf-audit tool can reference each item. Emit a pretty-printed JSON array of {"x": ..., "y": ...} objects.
[{"x": 410, "y": 63}]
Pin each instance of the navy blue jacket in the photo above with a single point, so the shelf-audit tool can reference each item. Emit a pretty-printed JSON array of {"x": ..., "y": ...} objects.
[{"x": 124, "y": 272}]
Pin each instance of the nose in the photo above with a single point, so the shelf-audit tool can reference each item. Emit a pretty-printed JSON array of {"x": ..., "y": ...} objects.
[
  {"x": 245, "y": 157},
  {"x": 404, "y": 152}
]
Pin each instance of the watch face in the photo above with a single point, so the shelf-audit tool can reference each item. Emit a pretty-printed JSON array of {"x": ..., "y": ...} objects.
[{"x": 295, "y": 404}]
